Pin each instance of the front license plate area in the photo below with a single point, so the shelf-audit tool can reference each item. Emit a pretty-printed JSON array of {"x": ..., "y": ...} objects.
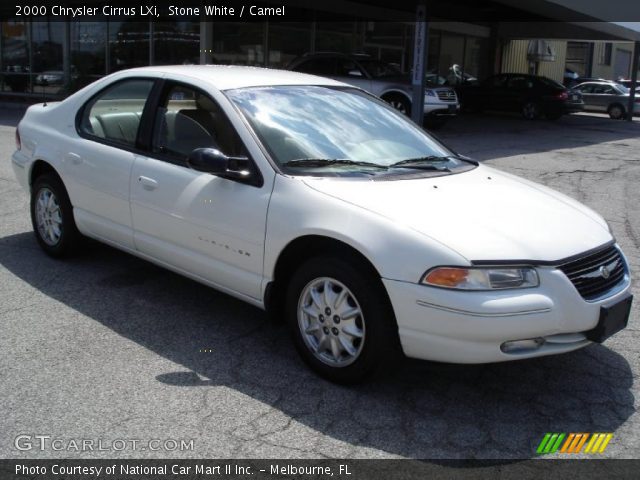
[{"x": 612, "y": 319}]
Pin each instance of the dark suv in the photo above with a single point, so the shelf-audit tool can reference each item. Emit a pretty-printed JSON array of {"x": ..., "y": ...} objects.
[{"x": 382, "y": 79}]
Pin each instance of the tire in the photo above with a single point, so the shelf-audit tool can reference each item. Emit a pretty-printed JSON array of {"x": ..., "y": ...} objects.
[
  {"x": 346, "y": 336},
  {"x": 400, "y": 103},
  {"x": 553, "y": 115},
  {"x": 52, "y": 217},
  {"x": 616, "y": 111},
  {"x": 435, "y": 123},
  {"x": 530, "y": 110}
]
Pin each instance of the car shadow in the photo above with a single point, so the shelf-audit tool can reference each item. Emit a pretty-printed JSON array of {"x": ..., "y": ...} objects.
[
  {"x": 424, "y": 410},
  {"x": 485, "y": 136}
]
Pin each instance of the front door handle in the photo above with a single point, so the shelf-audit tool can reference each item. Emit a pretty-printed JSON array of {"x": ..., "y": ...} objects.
[{"x": 148, "y": 183}]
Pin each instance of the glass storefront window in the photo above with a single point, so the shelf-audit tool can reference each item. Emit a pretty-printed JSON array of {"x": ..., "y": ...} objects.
[
  {"x": 128, "y": 45},
  {"x": 16, "y": 65},
  {"x": 88, "y": 52},
  {"x": 176, "y": 43},
  {"x": 47, "y": 39},
  {"x": 343, "y": 37},
  {"x": 281, "y": 49},
  {"x": 238, "y": 43}
]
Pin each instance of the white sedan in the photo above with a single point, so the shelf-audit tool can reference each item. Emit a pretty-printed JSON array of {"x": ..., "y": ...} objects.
[{"x": 315, "y": 200}]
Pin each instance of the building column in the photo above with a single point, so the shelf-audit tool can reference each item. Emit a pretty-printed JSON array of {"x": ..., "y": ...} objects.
[
  {"x": 420, "y": 36},
  {"x": 634, "y": 80},
  {"x": 66, "y": 57},
  {"x": 206, "y": 42}
]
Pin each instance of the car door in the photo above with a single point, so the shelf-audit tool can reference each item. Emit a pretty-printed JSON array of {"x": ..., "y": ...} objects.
[
  {"x": 209, "y": 227},
  {"x": 602, "y": 97},
  {"x": 491, "y": 93},
  {"x": 519, "y": 89},
  {"x": 586, "y": 90},
  {"x": 98, "y": 163}
]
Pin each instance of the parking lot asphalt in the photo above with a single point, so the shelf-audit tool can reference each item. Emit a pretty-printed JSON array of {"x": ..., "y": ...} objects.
[{"x": 109, "y": 347}]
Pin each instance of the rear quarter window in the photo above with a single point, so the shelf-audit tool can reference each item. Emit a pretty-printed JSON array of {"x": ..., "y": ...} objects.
[{"x": 114, "y": 114}]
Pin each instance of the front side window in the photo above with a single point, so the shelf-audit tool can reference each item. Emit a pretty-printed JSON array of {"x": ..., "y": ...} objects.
[
  {"x": 115, "y": 113},
  {"x": 336, "y": 131},
  {"x": 188, "y": 119}
]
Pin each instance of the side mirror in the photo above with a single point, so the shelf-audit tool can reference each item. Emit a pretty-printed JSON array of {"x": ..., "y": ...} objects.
[{"x": 213, "y": 161}]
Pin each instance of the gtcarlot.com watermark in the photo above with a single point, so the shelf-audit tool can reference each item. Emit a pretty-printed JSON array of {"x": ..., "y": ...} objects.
[{"x": 28, "y": 442}]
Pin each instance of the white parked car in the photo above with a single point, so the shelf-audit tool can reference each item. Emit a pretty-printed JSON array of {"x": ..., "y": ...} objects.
[{"x": 315, "y": 199}]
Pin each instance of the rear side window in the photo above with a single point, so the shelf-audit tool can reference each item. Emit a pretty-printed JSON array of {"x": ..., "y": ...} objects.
[{"x": 114, "y": 114}]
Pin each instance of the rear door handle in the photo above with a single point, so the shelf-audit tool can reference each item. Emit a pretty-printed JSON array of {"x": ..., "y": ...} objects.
[{"x": 148, "y": 183}]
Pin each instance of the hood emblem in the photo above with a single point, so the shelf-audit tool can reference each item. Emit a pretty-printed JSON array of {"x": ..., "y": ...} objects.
[{"x": 605, "y": 272}]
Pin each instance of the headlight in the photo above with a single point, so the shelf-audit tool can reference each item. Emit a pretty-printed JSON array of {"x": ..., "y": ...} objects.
[
  {"x": 472, "y": 278},
  {"x": 429, "y": 93}
]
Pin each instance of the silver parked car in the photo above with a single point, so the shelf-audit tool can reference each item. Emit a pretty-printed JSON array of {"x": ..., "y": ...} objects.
[
  {"x": 609, "y": 97},
  {"x": 384, "y": 80}
]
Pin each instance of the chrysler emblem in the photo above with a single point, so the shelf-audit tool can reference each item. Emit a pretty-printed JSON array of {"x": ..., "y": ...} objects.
[{"x": 604, "y": 271}]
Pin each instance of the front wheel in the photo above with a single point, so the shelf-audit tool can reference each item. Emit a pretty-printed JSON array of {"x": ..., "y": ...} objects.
[
  {"x": 341, "y": 320},
  {"x": 52, "y": 217},
  {"x": 400, "y": 103}
]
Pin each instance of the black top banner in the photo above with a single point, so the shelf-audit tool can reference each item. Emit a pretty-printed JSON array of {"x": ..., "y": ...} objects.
[{"x": 326, "y": 10}]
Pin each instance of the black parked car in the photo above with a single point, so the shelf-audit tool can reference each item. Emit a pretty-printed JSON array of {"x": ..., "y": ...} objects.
[{"x": 530, "y": 95}]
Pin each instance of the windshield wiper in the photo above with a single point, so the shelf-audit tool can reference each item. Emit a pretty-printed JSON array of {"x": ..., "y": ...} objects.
[
  {"x": 324, "y": 162},
  {"x": 425, "y": 163}
]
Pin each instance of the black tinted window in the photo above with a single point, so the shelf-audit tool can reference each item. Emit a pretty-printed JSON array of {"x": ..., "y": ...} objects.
[
  {"x": 520, "y": 83},
  {"x": 318, "y": 66},
  {"x": 114, "y": 114}
]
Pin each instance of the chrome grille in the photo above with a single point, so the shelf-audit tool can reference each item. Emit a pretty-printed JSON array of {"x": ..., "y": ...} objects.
[
  {"x": 596, "y": 273},
  {"x": 447, "y": 95}
]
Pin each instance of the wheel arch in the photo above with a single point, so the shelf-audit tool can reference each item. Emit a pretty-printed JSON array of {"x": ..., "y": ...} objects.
[
  {"x": 304, "y": 248},
  {"x": 393, "y": 92},
  {"x": 40, "y": 167}
]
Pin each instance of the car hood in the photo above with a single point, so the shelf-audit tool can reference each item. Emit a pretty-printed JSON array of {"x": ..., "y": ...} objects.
[{"x": 482, "y": 214}]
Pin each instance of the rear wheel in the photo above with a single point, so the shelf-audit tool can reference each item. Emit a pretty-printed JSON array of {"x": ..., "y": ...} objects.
[
  {"x": 341, "y": 320},
  {"x": 616, "y": 111},
  {"x": 52, "y": 217},
  {"x": 531, "y": 110}
]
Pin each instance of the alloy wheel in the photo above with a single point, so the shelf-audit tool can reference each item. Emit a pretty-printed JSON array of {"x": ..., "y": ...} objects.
[
  {"x": 331, "y": 322},
  {"x": 48, "y": 217}
]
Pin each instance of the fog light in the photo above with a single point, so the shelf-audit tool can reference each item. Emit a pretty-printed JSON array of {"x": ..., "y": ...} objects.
[{"x": 522, "y": 346}]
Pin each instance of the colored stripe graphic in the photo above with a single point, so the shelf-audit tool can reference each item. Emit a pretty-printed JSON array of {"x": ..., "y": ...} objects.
[
  {"x": 574, "y": 443},
  {"x": 550, "y": 443},
  {"x": 598, "y": 442}
]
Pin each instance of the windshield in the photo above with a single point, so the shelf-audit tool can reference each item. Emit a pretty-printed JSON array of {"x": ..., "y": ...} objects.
[
  {"x": 315, "y": 130},
  {"x": 622, "y": 89}
]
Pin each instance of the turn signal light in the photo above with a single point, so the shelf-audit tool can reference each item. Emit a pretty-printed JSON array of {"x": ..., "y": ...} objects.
[{"x": 447, "y": 276}]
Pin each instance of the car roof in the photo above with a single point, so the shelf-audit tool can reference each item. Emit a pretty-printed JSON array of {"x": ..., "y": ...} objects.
[{"x": 227, "y": 77}]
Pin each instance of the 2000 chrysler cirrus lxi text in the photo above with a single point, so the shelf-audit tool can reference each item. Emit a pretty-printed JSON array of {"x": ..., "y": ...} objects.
[{"x": 320, "y": 202}]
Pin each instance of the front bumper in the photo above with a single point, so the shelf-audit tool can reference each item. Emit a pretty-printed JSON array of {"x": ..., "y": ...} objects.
[
  {"x": 470, "y": 327},
  {"x": 442, "y": 109}
]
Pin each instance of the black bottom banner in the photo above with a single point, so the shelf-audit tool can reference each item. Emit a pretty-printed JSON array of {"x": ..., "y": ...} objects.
[{"x": 315, "y": 469}]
